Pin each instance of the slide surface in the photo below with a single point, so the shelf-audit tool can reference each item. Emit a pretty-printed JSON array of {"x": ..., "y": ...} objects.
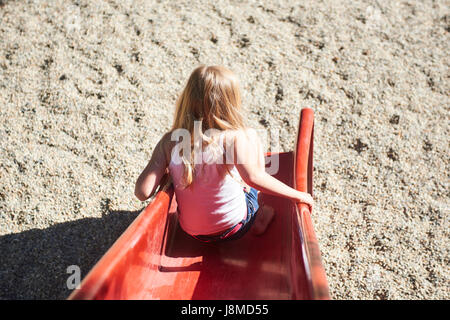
[{"x": 155, "y": 259}]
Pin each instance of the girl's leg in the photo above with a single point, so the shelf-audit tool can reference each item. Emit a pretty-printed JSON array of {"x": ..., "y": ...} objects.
[{"x": 262, "y": 220}]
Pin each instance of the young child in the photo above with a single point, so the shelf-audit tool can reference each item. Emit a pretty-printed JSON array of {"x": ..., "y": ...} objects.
[{"x": 215, "y": 163}]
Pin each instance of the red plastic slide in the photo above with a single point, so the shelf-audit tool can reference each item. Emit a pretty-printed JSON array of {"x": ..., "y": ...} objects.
[{"x": 155, "y": 259}]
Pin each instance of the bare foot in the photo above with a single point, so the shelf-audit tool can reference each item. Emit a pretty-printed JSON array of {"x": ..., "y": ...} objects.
[{"x": 262, "y": 220}]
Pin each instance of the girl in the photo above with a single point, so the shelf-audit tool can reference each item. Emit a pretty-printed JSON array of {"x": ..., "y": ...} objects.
[{"x": 217, "y": 152}]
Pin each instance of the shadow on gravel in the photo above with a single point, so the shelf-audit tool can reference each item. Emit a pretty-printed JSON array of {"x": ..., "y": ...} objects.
[{"x": 33, "y": 263}]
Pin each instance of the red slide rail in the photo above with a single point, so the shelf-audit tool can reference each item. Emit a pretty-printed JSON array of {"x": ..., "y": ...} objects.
[
  {"x": 303, "y": 179},
  {"x": 115, "y": 275}
]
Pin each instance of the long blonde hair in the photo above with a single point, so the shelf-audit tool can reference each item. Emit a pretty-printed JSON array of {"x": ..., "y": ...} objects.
[{"x": 212, "y": 96}]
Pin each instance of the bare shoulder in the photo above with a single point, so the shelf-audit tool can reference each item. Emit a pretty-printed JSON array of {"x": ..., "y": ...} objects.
[
  {"x": 242, "y": 141},
  {"x": 242, "y": 135},
  {"x": 165, "y": 145},
  {"x": 166, "y": 138}
]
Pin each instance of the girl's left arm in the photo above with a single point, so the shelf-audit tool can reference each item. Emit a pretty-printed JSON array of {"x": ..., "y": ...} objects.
[{"x": 149, "y": 179}]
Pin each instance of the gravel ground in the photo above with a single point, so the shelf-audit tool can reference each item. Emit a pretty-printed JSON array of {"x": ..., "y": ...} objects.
[{"x": 88, "y": 87}]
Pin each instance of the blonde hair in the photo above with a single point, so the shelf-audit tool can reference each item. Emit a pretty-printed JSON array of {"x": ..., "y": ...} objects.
[{"x": 212, "y": 96}]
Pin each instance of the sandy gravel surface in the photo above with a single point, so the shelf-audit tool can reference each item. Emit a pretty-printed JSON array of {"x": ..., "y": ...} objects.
[{"x": 88, "y": 87}]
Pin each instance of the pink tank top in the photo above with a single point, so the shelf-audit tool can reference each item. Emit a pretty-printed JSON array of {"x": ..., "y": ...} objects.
[{"x": 212, "y": 203}]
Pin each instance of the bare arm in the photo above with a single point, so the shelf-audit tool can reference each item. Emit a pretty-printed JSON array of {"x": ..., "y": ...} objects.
[
  {"x": 249, "y": 161},
  {"x": 150, "y": 177}
]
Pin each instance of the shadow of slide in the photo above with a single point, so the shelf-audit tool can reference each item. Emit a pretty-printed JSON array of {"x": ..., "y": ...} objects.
[{"x": 33, "y": 263}]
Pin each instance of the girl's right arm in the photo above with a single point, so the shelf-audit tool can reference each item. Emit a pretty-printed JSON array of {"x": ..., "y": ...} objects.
[
  {"x": 249, "y": 161},
  {"x": 150, "y": 177}
]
